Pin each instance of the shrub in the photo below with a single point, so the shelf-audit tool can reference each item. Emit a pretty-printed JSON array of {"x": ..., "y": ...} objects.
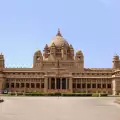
[
  {"x": 95, "y": 95},
  {"x": 103, "y": 94},
  {"x": 20, "y": 93},
  {"x": 12, "y": 93}
]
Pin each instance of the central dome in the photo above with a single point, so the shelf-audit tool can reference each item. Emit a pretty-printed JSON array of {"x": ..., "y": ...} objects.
[{"x": 58, "y": 40}]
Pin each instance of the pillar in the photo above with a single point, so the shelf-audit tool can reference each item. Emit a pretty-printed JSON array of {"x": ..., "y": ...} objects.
[
  {"x": 40, "y": 83},
  {"x": 70, "y": 84},
  {"x": 60, "y": 83},
  {"x": 101, "y": 86},
  {"x": 55, "y": 83},
  {"x": 2, "y": 82},
  {"x": 66, "y": 83},
  {"x": 96, "y": 89},
  {"x": 86, "y": 82},
  {"x": 113, "y": 87},
  {"x": 45, "y": 85},
  {"x": 49, "y": 83}
]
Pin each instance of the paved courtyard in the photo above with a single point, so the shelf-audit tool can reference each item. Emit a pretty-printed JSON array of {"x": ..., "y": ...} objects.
[{"x": 62, "y": 108}]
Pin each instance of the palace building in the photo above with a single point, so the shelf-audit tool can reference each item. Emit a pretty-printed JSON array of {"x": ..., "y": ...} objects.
[{"x": 60, "y": 69}]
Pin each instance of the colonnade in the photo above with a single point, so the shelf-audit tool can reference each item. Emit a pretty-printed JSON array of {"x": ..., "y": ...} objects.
[{"x": 58, "y": 83}]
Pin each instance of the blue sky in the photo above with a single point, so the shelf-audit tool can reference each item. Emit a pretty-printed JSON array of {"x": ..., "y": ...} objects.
[{"x": 92, "y": 26}]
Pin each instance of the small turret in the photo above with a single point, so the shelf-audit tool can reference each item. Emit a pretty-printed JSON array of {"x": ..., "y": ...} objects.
[
  {"x": 46, "y": 51},
  {"x": 2, "y": 61},
  {"x": 37, "y": 59},
  {"x": 63, "y": 52},
  {"x": 53, "y": 51},
  {"x": 79, "y": 58},
  {"x": 115, "y": 62},
  {"x": 71, "y": 51}
]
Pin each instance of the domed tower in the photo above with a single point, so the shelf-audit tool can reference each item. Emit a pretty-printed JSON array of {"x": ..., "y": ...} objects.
[
  {"x": 79, "y": 59},
  {"x": 58, "y": 40},
  {"x": 2, "y": 61},
  {"x": 115, "y": 62},
  {"x": 59, "y": 47},
  {"x": 38, "y": 59}
]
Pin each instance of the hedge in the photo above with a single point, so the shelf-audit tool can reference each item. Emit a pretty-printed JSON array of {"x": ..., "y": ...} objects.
[{"x": 59, "y": 94}]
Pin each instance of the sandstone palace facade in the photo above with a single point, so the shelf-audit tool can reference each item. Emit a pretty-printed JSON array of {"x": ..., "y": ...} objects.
[{"x": 60, "y": 69}]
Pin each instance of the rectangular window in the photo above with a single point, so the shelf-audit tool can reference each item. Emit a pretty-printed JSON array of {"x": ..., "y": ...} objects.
[
  {"x": 37, "y": 85},
  {"x": 12, "y": 85},
  {"x": 74, "y": 85},
  {"x": 22, "y": 85},
  {"x": 83, "y": 85},
  {"x": 104, "y": 85},
  {"x": 98, "y": 85},
  {"x": 109, "y": 85},
  {"x": 88, "y": 85},
  {"x": 42, "y": 85},
  {"x": 78, "y": 85},
  {"x": 27, "y": 85},
  {"x": 93, "y": 85}
]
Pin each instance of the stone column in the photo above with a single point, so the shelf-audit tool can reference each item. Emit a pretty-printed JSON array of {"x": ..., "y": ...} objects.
[
  {"x": 81, "y": 84},
  {"x": 101, "y": 86},
  {"x": 106, "y": 83},
  {"x": 30, "y": 84},
  {"x": 9, "y": 85},
  {"x": 60, "y": 83},
  {"x": 86, "y": 89},
  {"x": 35, "y": 84},
  {"x": 15, "y": 83},
  {"x": 114, "y": 87},
  {"x": 96, "y": 86},
  {"x": 45, "y": 85},
  {"x": 24, "y": 85},
  {"x": 70, "y": 84},
  {"x": 49, "y": 83},
  {"x": 66, "y": 83},
  {"x": 40, "y": 83},
  {"x": 1, "y": 84},
  {"x": 55, "y": 83}
]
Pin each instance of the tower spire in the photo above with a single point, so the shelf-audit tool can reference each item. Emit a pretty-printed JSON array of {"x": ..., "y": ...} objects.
[{"x": 59, "y": 33}]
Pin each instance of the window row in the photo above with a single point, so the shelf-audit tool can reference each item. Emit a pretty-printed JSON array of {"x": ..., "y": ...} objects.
[
  {"x": 23, "y": 80},
  {"x": 25, "y": 85},
  {"x": 75, "y": 86},
  {"x": 91, "y": 73},
  {"x": 93, "y": 80},
  {"x": 25, "y": 73}
]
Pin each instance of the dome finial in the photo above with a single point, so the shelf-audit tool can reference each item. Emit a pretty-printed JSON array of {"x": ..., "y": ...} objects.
[{"x": 59, "y": 34}]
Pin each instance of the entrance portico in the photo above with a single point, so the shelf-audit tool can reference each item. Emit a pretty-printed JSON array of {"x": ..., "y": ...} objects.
[
  {"x": 58, "y": 80},
  {"x": 58, "y": 84}
]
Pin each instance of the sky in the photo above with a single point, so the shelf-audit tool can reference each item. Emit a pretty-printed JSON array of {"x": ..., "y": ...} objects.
[{"x": 92, "y": 26}]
